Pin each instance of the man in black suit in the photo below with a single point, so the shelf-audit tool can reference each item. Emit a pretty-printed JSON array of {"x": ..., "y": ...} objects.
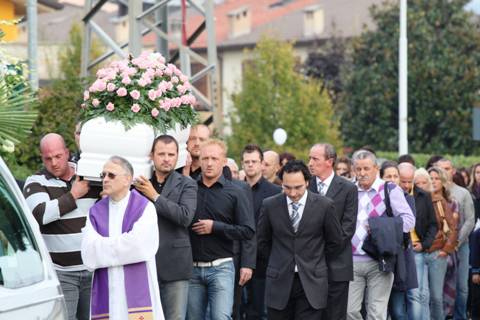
[
  {"x": 261, "y": 188},
  {"x": 175, "y": 199},
  {"x": 344, "y": 194},
  {"x": 295, "y": 231}
]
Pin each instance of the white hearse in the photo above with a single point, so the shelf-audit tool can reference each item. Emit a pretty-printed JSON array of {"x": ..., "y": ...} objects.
[{"x": 29, "y": 288}]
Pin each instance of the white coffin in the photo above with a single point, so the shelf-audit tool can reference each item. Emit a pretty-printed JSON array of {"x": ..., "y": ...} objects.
[{"x": 101, "y": 139}]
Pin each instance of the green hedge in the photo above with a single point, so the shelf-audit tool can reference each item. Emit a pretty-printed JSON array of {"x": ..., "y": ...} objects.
[{"x": 422, "y": 158}]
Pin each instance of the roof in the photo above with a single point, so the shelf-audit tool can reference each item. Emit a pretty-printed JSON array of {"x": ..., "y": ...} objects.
[{"x": 283, "y": 18}]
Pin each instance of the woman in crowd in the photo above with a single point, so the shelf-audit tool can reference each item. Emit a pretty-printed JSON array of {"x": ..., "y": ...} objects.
[
  {"x": 446, "y": 211},
  {"x": 474, "y": 290},
  {"x": 422, "y": 180},
  {"x": 343, "y": 167}
]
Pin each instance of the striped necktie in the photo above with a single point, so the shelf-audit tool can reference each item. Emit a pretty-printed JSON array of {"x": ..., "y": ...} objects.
[
  {"x": 321, "y": 188},
  {"x": 295, "y": 215}
]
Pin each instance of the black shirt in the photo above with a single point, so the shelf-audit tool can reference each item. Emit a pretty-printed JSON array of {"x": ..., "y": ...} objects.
[
  {"x": 226, "y": 204},
  {"x": 261, "y": 190},
  {"x": 157, "y": 185}
]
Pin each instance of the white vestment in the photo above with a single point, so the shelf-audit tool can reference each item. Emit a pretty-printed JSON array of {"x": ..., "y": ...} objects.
[{"x": 119, "y": 249}]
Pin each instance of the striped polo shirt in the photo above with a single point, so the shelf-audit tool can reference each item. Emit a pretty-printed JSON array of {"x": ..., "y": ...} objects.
[{"x": 60, "y": 217}]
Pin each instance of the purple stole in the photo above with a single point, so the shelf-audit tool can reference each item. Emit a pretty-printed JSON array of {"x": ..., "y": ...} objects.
[{"x": 139, "y": 302}]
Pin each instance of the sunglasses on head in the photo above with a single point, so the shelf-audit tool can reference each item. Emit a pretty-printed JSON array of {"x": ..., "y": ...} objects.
[{"x": 110, "y": 175}]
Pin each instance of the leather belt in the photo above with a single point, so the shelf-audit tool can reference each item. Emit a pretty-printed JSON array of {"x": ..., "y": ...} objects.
[{"x": 214, "y": 263}]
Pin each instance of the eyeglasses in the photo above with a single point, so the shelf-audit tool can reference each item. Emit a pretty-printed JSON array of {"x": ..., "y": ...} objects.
[{"x": 110, "y": 175}]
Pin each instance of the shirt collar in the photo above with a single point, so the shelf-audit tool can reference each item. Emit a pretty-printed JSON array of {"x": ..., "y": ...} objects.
[
  {"x": 375, "y": 186},
  {"x": 302, "y": 200},
  {"x": 222, "y": 180},
  {"x": 327, "y": 181}
]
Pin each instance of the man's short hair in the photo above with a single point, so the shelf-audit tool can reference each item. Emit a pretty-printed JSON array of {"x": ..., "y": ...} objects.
[
  {"x": 165, "y": 138},
  {"x": 363, "y": 154},
  {"x": 329, "y": 151},
  {"x": 215, "y": 142},
  {"x": 406, "y": 158},
  {"x": 295, "y": 166},
  {"x": 433, "y": 159},
  {"x": 251, "y": 148},
  {"x": 122, "y": 162}
]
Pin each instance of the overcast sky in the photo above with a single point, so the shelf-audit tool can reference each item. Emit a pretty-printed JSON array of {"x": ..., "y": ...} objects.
[{"x": 474, "y": 5}]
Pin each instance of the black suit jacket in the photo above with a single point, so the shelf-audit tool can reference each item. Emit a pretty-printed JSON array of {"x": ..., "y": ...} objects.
[
  {"x": 345, "y": 197},
  {"x": 175, "y": 210},
  {"x": 316, "y": 233}
]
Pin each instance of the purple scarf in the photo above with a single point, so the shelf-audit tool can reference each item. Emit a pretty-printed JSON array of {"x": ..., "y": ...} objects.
[{"x": 137, "y": 290}]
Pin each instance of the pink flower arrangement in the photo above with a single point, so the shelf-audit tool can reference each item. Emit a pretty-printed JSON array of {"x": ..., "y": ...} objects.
[{"x": 141, "y": 90}]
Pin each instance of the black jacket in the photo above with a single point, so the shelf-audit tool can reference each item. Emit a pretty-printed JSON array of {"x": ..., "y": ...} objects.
[
  {"x": 426, "y": 222},
  {"x": 319, "y": 232},
  {"x": 345, "y": 197}
]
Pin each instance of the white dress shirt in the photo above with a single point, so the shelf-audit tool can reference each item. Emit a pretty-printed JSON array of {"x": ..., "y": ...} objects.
[{"x": 326, "y": 182}]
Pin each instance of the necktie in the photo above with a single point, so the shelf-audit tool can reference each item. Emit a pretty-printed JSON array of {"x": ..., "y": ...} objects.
[
  {"x": 295, "y": 216},
  {"x": 321, "y": 188}
]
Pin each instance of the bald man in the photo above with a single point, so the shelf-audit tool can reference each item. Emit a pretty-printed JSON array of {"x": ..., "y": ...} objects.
[
  {"x": 60, "y": 202},
  {"x": 270, "y": 166}
]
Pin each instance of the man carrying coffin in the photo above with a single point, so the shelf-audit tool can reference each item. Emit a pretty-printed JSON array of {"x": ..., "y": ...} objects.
[{"x": 120, "y": 241}]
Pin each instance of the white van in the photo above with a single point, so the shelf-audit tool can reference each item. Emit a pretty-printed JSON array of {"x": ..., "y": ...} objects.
[{"x": 29, "y": 288}]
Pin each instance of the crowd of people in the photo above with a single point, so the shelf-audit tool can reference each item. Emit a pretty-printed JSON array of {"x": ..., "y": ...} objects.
[{"x": 279, "y": 238}]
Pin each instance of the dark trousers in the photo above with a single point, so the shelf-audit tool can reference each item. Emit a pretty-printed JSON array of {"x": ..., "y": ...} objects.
[
  {"x": 256, "y": 309},
  {"x": 337, "y": 300},
  {"x": 297, "y": 307}
]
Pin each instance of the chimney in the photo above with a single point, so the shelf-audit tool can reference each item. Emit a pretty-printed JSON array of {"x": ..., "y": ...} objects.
[
  {"x": 313, "y": 21},
  {"x": 240, "y": 22}
]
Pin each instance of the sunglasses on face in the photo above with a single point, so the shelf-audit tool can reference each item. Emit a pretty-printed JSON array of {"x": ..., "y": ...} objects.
[{"x": 110, "y": 175}]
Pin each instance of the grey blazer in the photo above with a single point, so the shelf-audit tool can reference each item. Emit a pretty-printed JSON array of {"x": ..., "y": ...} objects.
[
  {"x": 175, "y": 210},
  {"x": 319, "y": 231}
]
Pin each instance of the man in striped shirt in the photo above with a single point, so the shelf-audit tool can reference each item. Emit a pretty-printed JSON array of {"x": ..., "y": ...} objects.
[{"x": 60, "y": 202}]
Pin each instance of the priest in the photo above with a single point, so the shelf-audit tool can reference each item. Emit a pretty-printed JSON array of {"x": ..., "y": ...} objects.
[{"x": 119, "y": 243}]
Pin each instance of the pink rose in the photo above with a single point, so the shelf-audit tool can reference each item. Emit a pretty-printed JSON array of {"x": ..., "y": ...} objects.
[
  {"x": 183, "y": 78},
  {"x": 122, "y": 92},
  {"x": 135, "y": 107},
  {"x": 135, "y": 94},
  {"x": 152, "y": 94},
  {"x": 155, "y": 112},
  {"x": 86, "y": 95},
  {"x": 83, "y": 106},
  {"x": 95, "y": 102},
  {"x": 142, "y": 82},
  {"x": 174, "y": 80},
  {"x": 126, "y": 80},
  {"x": 110, "y": 106},
  {"x": 111, "y": 87},
  {"x": 100, "y": 85}
]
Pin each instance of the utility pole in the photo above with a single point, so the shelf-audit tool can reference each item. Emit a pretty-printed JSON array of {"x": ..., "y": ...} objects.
[
  {"x": 402, "y": 82},
  {"x": 32, "y": 44}
]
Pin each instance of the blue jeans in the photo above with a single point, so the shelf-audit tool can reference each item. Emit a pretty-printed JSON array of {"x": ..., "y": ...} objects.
[
  {"x": 212, "y": 286},
  {"x": 397, "y": 305},
  {"x": 417, "y": 299},
  {"x": 463, "y": 254},
  {"x": 174, "y": 296},
  {"x": 437, "y": 268},
  {"x": 76, "y": 287}
]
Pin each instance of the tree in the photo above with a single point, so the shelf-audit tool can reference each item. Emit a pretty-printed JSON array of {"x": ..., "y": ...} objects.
[
  {"x": 443, "y": 79},
  {"x": 326, "y": 64},
  {"x": 59, "y": 102},
  {"x": 275, "y": 95}
]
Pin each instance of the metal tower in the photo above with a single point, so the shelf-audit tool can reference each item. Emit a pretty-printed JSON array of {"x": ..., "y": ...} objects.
[{"x": 155, "y": 19}]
